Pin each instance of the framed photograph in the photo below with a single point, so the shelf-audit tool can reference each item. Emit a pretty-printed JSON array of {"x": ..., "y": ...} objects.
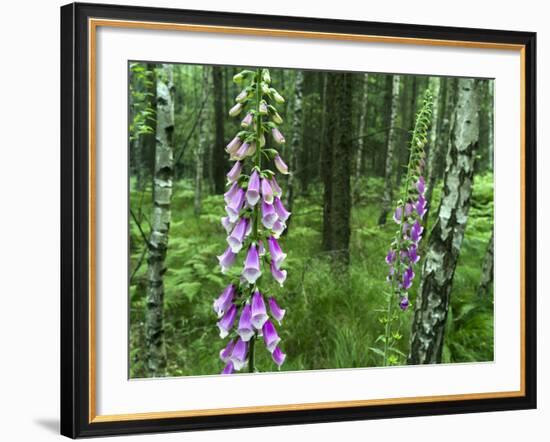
[{"x": 274, "y": 220}]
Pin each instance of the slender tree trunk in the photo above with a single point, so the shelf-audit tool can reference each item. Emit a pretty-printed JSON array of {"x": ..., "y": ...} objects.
[
  {"x": 201, "y": 145},
  {"x": 361, "y": 135},
  {"x": 441, "y": 145},
  {"x": 388, "y": 183},
  {"x": 490, "y": 124},
  {"x": 218, "y": 156},
  {"x": 307, "y": 126},
  {"x": 445, "y": 241},
  {"x": 409, "y": 117},
  {"x": 487, "y": 270},
  {"x": 148, "y": 141},
  {"x": 323, "y": 137},
  {"x": 296, "y": 143},
  {"x": 160, "y": 223},
  {"x": 331, "y": 123},
  {"x": 341, "y": 170},
  {"x": 434, "y": 150}
]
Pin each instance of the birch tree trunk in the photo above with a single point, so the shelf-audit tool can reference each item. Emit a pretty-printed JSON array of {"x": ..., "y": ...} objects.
[
  {"x": 388, "y": 182},
  {"x": 434, "y": 148},
  {"x": 160, "y": 223},
  {"x": 490, "y": 124},
  {"x": 487, "y": 270},
  {"x": 295, "y": 143},
  {"x": 147, "y": 140},
  {"x": 445, "y": 241},
  {"x": 441, "y": 144},
  {"x": 361, "y": 136}
]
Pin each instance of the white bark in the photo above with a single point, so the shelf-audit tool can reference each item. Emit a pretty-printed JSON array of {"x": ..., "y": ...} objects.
[
  {"x": 388, "y": 188},
  {"x": 490, "y": 127},
  {"x": 160, "y": 222}
]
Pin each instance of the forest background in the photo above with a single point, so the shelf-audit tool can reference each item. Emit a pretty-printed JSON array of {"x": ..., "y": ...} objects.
[{"x": 334, "y": 318}]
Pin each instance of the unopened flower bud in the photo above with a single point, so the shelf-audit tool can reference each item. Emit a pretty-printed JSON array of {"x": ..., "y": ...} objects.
[
  {"x": 235, "y": 110},
  {"x": 277, "y": 97},
  {"x": 277, "y": 118},
  {"x": 263, "y": 108},
  {"x": 247, "y": 121},
  {"x": 277, "y": 136},
  {"x": 241, "y": 97}
]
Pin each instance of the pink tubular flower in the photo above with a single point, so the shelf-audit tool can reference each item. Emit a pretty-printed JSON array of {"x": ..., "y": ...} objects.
[
  {"x": 235, "y": 172},
  {"x": 227, "y": 196},
  {"x": 278, "y": 228},
  {"x": 269, "y": 216},
  {"x": 282, "y": 213},
  {"x": 224, "y": 300},
  {"x": 233, "y": 209},
  {"x": 276, "y": 312},
  {"x": 233, "y": 146},
  {"x": 275, "y": 187},
  {"x": 226, "y": 322},
  {"x": 235, "y": 240},
  {"x": 228, "y": 369},
  {"x": 277, "y": 255},
  {"x": 247, "y": 121},
  {"x": 277, "y": 136},
  {"x": 267, "y": 191},
  {"x": 398, "y": 215},
  {"x": 239, "y": 354},
  {"x": 271, "y": 338},
  {"x": 226, "y": 259},
  {"x": 253, "y": 190},
  {"x": 258, "y": 311},
  {"x": 278, "y": 274},
  {"x": 241, "y": 152},
  {"x": 227, "y": 224},
  {"x": 251, "y": 271},
  {"x": 245, "y": 330},
  {"x": 225, "y": 352},
  {"x": 278, "y": 357},
  {"x": 261, "y": 248},
  {"x": 235, "y": 110},
  {"x": 421, "y": 185}
]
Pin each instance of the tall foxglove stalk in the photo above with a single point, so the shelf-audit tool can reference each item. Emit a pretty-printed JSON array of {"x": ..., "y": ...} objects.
[
  {"x": 403, "y": 256},
  {"x": 255, "y": 220}
]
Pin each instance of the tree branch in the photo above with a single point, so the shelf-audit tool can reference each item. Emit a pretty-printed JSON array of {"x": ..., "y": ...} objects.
[
  {"x": 145, "y": 239},
  {"x": 191, "y": 132}
]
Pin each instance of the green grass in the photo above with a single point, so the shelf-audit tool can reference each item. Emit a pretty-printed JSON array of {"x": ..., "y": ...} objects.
[{"x": 332, "y": 320}]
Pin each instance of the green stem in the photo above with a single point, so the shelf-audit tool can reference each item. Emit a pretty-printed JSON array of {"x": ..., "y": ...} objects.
[
  {"x": 251, "y": 367},
  {"x": 255, "y": 232},
  {"x": 389, "y": 314}
]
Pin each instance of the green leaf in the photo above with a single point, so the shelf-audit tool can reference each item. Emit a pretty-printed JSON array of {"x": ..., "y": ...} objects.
[{"x": 377, "y": 351}]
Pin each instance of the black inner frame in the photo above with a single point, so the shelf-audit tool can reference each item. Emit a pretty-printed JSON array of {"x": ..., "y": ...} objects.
[{"x": 75, "y": 220}]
